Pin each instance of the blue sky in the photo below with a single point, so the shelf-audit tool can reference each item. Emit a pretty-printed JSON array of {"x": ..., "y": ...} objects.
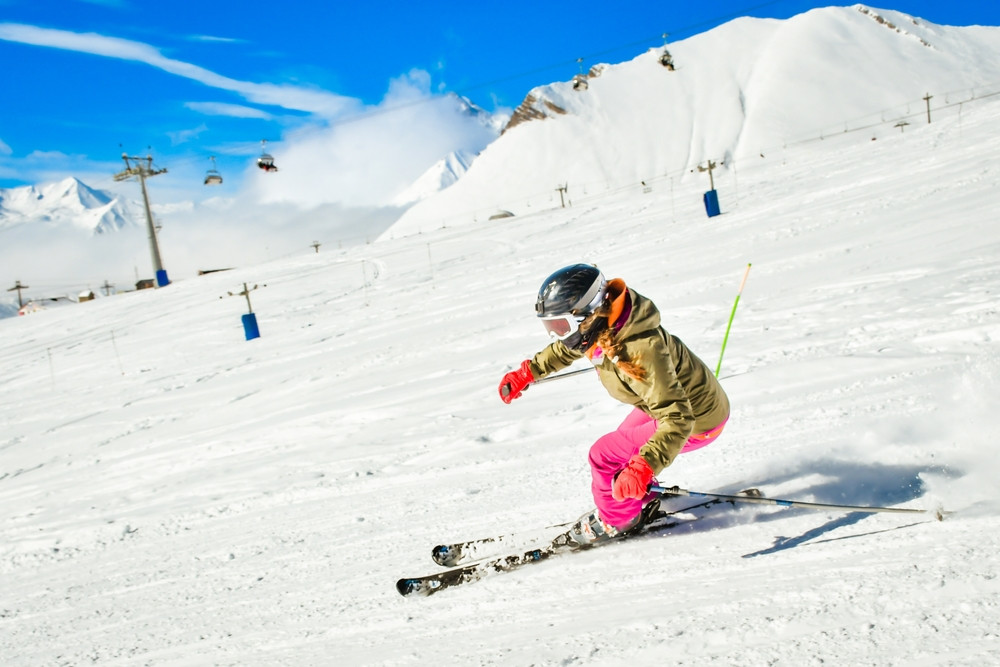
[{"x": 86, "y": 79}]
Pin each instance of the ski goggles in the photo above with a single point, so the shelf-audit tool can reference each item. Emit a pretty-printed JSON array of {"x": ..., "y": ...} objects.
[{"x": 561, "y": 326}]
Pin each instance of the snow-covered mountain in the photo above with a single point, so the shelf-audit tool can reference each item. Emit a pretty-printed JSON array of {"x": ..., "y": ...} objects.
[
  {"x": 69, "y": 203},
  {"x": 737, "y": 94},
  {"x": 443, "y": 174},
  {"x": 494, "y": 121}
]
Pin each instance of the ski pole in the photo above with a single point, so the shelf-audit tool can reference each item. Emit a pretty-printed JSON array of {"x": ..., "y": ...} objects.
[
  {"x": 731, "y": 316},
  {"x": 675, "y": 491},
  {"x": 558, "y": 376}
]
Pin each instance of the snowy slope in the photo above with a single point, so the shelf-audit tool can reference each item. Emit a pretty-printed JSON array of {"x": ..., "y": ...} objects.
[
  {"x": 175, "y": 495},
  {"x": 745, "y": 89}
]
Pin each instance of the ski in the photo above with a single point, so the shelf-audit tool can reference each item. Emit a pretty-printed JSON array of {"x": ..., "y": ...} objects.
[
  {"x": 458, "y": 553},
  {"x": 562, "y": 543},
  {"x": 463, "y": 574}
]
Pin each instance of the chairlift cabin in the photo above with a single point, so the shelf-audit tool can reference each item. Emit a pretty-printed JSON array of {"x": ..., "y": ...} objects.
[
  {"x": 212, "y": 176},
  {"x": 266, "y": 161},
  {"x": 667, "y": 60},
  {"x": 580, "y": 80}
]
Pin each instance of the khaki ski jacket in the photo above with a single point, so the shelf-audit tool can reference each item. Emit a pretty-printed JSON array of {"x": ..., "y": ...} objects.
[{"x": 678, "y": 390}]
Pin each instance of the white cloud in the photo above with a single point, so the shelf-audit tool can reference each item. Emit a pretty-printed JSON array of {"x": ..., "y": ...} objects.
[
  {"x": 367, "y": 160},
  {"x": 218, "y": 234},
  {"x": 312, "y": 100},
  {"x": 4, "y": 148},
  {"x": 231, "y": 110},
  {"x": 184, "y": 136},
  {"x": 43, "y": 156},
  {"x": 51, "y": 166},
  {"x": 343, "y": 153},
  {"x": 212, "y": 38}
]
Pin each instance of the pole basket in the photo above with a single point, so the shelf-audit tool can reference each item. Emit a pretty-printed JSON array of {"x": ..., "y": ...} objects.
[{"x": 161, "y": 278}]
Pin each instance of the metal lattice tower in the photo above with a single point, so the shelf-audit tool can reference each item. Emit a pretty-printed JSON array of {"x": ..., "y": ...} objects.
[{"x": 142, "y": 168}]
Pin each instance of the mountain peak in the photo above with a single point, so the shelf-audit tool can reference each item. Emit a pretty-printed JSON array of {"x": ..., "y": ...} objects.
[
  {"x": 73, "y": 192},
  {"x": 69, "y": 202},
  {"x": 442, "y": 174}
]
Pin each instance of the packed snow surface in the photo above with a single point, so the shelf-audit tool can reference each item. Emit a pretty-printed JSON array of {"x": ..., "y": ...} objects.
[{"x": 173, "y": 494}]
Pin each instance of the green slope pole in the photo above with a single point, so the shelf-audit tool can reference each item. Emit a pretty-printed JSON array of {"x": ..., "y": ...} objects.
[{"x": 725, "y": 338}]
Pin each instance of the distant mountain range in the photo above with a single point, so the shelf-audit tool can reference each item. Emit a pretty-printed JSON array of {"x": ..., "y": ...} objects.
[{"x": 68, "y": 203}]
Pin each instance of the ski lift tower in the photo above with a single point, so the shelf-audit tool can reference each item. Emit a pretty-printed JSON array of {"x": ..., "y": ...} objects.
[{"x": 142, "y": 168}]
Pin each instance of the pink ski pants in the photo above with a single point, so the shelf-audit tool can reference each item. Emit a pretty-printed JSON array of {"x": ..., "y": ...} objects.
[{"x": 611, "y": 453}]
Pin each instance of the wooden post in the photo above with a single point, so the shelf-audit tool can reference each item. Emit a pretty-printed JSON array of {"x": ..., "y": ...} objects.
[
  {"x": 709, "y": 168},
  {"x": 562, "y": 190},
  {"x": 18, "y": 287}
]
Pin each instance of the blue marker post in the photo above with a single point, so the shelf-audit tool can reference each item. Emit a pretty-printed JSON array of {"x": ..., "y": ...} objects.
[
  {"x": 250, "y": 328},
  {"x": 711, "y": 203},
  {"x": 711, "y": 198}
]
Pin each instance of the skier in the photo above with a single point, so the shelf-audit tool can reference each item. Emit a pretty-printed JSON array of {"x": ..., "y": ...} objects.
[{"x": 679, "y": 404}]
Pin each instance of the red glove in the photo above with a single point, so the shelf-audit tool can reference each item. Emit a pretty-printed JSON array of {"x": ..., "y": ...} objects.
[
  {"x": 633, "y": 481},
  {"x": 515, "y": 381}
]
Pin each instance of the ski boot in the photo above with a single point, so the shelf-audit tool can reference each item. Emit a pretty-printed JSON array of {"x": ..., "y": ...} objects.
[
  {"x": 591, "y": 530},
  {"x": 649, "y": 513}
]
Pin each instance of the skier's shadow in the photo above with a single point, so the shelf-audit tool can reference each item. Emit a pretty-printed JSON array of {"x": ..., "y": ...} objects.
[{"x": 843, "y": 483}]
